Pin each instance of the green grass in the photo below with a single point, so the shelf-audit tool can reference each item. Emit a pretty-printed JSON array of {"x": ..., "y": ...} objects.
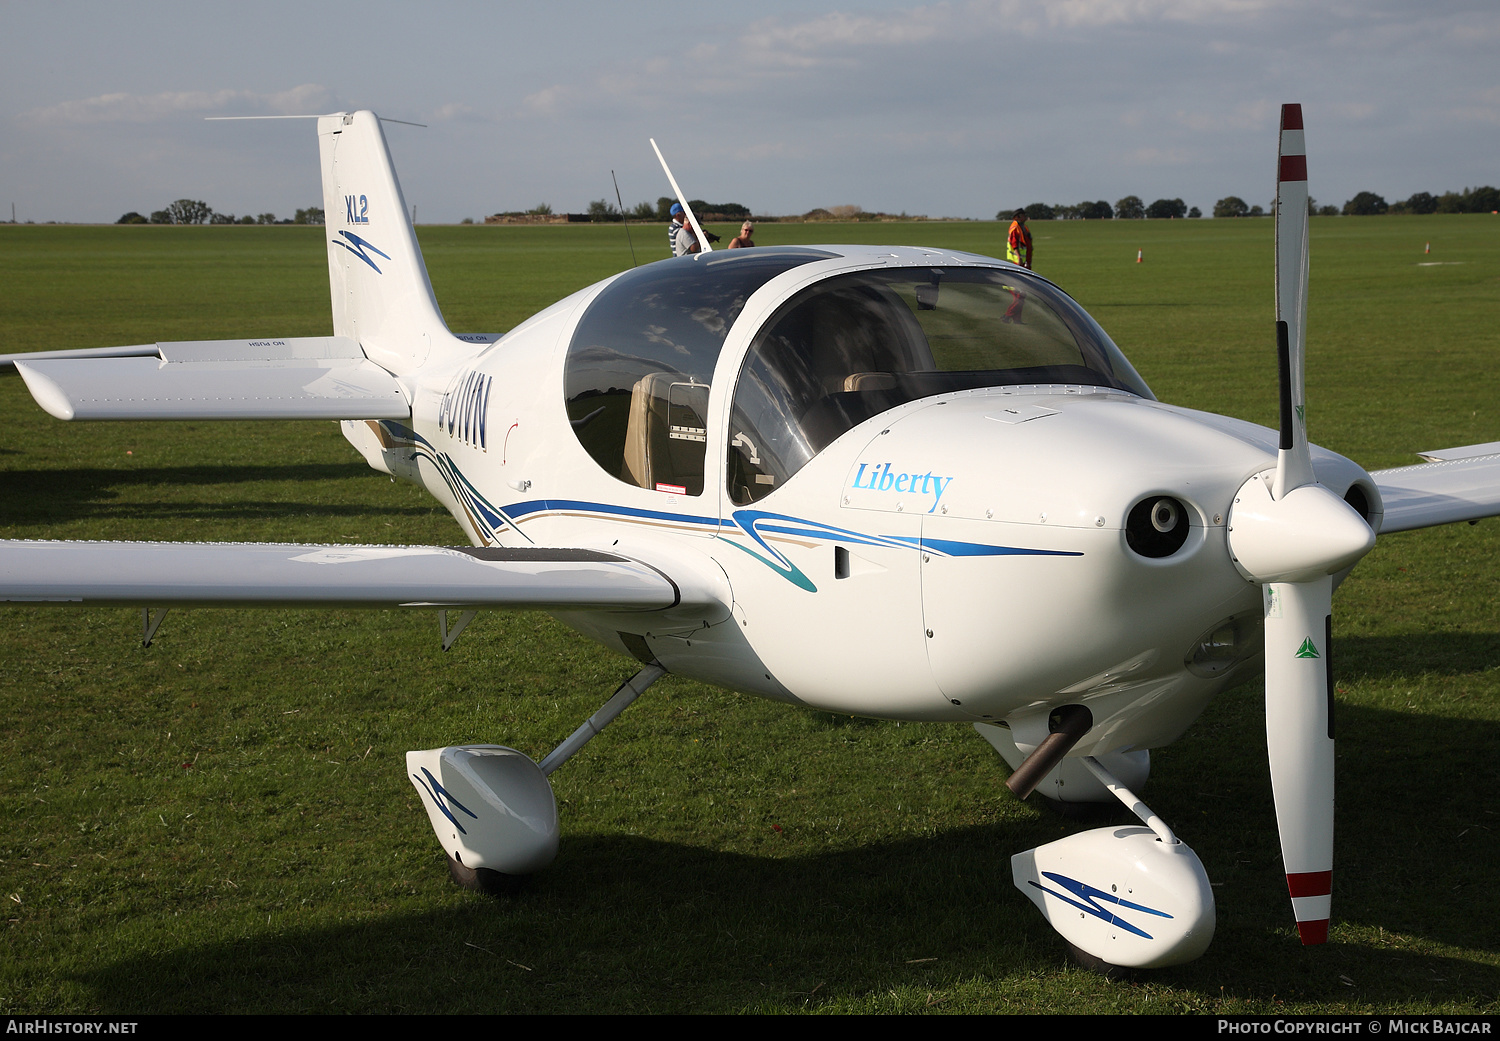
[{"x": 222, "y": 822}]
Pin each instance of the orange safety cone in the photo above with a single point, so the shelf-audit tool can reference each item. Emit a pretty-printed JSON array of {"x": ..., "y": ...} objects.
[{"x": 1138, "y": 254}]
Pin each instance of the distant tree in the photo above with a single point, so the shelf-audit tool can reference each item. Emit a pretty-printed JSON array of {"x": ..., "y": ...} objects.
[
  {"x": 160, "y": 217},
  {"x": 1130, "y": 208},
  {"x": 1195, "y": 212},
  {"x": 1451, "y": 202},
  {"x": 603, "y": 210},
  {"x": 1100, "y": 210},
  {"x": 311, "y": 215},
  {"x": 467, "y": 220},
  {"x": 644, "y": 211},
  {"x": 1421, "y": 202},
  {"x": 222, "y": 218},
  {"x": 1034, "y": 211},
  {"x": 247, "y": 219},
  {"x": 542, "y": 210},
  {"x": 730, "y": 210},
  {"x": 1256, "y": 211},
  {"x": 664, "y": 207},
  {"x": 1365, "y": 204},
  {"x": 188, "y": 211},
  {"x": 1231, "y": 206},
  {"x": 132, "y": 218},
  {"x": 265, "y": 218},
  {"x": 817, "y": 214},
  {"x": 1165, "y": 209},
  {"x": 1328, "y": 211},
  {"x": 1475, "y": 200}
]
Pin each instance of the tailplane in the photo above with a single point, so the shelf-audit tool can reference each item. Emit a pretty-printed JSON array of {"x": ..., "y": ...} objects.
[{"x": 382, "y": 298}]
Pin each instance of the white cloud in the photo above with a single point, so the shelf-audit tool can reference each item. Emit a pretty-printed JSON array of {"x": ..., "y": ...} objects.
[{"x": 1090, "y": 13}]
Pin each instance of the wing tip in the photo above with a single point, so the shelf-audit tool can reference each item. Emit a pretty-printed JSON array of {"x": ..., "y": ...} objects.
[{"x": 1291, "y": 116}]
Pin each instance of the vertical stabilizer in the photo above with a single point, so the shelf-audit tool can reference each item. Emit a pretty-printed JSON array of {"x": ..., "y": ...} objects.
[{"x": 381, "y": 295}]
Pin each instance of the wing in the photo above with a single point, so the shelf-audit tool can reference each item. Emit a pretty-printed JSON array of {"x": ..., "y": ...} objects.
[
  {"x": 1461, "y": 484},
  {"x": 299, "y": 377},
  {"x": 167, "y": 574}
]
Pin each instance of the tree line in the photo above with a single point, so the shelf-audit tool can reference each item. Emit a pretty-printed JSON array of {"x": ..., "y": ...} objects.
[
  {"x": 195, "y": 211},
  {"x": 1470, "y": 200},
  {"x": 604, "y": 210},
  {"x": 1132, "y": 207}
]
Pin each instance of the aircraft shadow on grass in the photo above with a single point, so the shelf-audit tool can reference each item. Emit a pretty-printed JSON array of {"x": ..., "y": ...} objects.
[
  {"x": 626, "y": 923},
  {"x": 630, "y": 923},
  {"x": 49, "y": 497}
]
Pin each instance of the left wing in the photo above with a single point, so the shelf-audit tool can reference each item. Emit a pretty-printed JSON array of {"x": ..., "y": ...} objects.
[
  {"x": 293, "y": 377},
  {"x": 1461, "y": 484},
  {"x": 168, "y": 574}
]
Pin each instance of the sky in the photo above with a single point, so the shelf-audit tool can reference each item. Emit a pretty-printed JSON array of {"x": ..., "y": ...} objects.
[{"x": 956, "y": 109}]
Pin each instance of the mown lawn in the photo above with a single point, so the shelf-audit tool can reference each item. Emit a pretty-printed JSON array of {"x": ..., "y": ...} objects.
[{"x": 222, "y": 822}]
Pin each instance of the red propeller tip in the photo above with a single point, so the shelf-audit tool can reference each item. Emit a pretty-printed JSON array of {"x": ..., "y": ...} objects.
[
  {"x": 1310, "y": 883},
  {"x": 1313, "y": 932}
]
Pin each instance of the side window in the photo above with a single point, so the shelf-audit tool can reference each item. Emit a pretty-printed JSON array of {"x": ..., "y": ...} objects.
[{"x": 641, "y": 358}]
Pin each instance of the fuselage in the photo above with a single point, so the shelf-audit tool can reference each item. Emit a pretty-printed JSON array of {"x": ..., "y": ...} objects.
[{"x": 925, "y": 485}]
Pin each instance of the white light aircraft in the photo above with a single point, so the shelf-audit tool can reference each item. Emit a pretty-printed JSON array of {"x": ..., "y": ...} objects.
[{"x": 936, "y": 462}]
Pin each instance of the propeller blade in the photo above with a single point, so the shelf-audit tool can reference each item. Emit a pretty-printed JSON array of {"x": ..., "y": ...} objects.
[
  {"x": 1294, "y": 461},
  {"x": 1299, "y": 740}
]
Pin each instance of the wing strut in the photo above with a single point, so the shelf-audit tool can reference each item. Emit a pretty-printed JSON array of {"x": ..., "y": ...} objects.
[
  {"x": 450, "y": 636},
  {"x": 150, "y": 622}
]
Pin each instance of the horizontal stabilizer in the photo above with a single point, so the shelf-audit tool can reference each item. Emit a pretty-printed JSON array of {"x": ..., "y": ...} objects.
[
  {"x": 168, "y": 574},
  {"x": 1458, "y": 488},
  {"x": 312, "y": 377}
]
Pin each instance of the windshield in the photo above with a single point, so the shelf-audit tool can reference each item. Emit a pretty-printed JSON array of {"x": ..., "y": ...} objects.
[
  {"x": 853, "y": 346},
  {"x": 641, "y": 359}
]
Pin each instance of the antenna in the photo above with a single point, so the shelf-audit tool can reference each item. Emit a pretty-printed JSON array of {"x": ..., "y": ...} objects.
[
  {"x": 315, "y": 115},
  {"x": 623, "y": 216},
  {"x": 697, "y": 228}
]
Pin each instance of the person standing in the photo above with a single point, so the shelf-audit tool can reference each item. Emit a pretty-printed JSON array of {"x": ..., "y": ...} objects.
[
  {"x": 743, "y": 239},
  {"x": 681, "y": 234},
  {"x": 1017, "y": 251},
  {"x": 678, "y": 219},
  {"x": 1018, "y": 242}
]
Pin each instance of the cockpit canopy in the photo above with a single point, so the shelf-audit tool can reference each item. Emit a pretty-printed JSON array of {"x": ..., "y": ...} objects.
[
  {"x": 855, "y": 345},
  {"x": 833, "y": 355}
]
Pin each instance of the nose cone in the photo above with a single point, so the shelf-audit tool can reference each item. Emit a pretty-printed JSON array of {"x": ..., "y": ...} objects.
[{"x": 1306, "y": 533}]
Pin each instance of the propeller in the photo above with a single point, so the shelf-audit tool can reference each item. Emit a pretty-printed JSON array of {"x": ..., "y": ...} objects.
[{"x": 1292, "y": 535}]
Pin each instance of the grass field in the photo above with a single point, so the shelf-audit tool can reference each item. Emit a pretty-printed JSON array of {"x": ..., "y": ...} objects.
[{"x": 222, "y": 822}]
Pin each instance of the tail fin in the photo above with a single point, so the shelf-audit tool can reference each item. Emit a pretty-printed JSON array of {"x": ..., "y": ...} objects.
[{"x": 381, "y": 294}]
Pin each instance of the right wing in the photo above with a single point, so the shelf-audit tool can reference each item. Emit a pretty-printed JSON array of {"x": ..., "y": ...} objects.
[
  {"x": 1461, "y": 484},
  {"x": 295, "y": 377}
]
